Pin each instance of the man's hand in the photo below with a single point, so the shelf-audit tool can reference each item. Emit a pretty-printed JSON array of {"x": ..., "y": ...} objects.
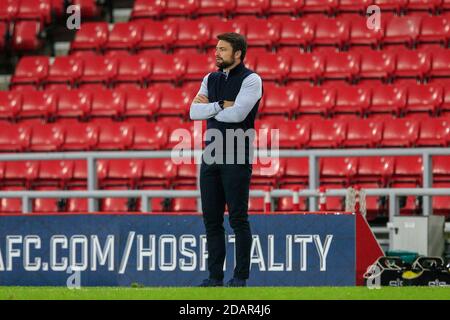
[
  {"x": 227, "y": 104},
  {"x": 201, "y": 99}
]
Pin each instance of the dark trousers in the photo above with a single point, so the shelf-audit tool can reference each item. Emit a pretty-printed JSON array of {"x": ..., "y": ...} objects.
[{"x": 230, "y": 184}]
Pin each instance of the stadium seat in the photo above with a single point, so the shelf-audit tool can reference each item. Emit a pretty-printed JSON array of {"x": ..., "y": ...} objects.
[
  {"x": 337, "y": 170},
  {"x": 193, "y": 33},
  {"x": 187, "y": 174},
  {"x": 107, "y": 103},
  {"x": 114, "y": 204},
  {"x": 364, "y": 133},
  {"x": 10, "y": 104},
  {"x": 148, "y": 136},
  {"x": 175, "y": 102},
  {"x": 54, "y": 173},
  {"x": 64, "y": 70},
  {"x": 185, "y": 204},
  {"x": 445, "y": 108},
  {"x": 133, "y": 69},
  {"x": 441, "y": 168},
  {"x": 35, "y": 10},
  {"x": 74, "y": 104},
  {"x": 99, "y": 70},
  {"x": 423, "y": 98},
  {"x": 166, "y": 67},
  {"x": 292, "y": 134},
  {"x": 331, "y": 31},
  {"x": 90, "y": 36},
  {"x": 327, "y": 134},
  {"x": 261, "y": 32},
  {"x": 11, "y": 205},
  {"x": 148, "y": 9},
  {"x": 279, "y": 100},
  {"x": 334, "y": 203},
  {"x": 435, "y": 29},
  {"x": 181, "y": 7},
  {"x": 38, "y": 104},
  {"x": 387, "y": 99},
  {"x": 286, "y": 203},
  {"x": 351, "y": 100},
  {"x": 14, "y": 138},
  {"x": 80, "y": 136},
  {"x": 251, "y": 7},
  {"x": 158, "y": 172},
  {"x": 403, "y": 29},
  {"x": 441, "y": 204},
  {"x": 400, "y": 133},
  {"x": 285, "y": 7},
  {"x": 142, "y": 102},
  {"x": 122, "y": 172},
  {"x": 47, "y": 137},
  {"x": 296, "y": 172},
  {"x": 296, "y": 32},
  {"x": 20, "y": 173},
  {"x": 76, "y": 204},
  {"x": 341, "y": 65},
  {"x": 272, "y": 67},
  {"x": 124, "y": 36},
  {"x": 198, "y": 66},
  {"x": 408, "y": 169},
  {"x": 157, "y": 204},
  {"x": 391, "y": 5},
  {"x": 317, "y": 100},
  {"x": 409, "y": 205},
  {"x": 9, "y": 9},
  {"x": 440, "y": 65},
  {"x": 114, "y": 135},
  {"x": 88, "y": 8},
  {"x": 3, "y": 34},
  {"x": 424, "y": 5},
  {"x": 222, "y": 7},
  {"x": 31, "y": 69},
  {"x": 306, "y": 66},
  {"x": 266, "y": 171},
  {"x": 328, "y": 6},
  {"x": 375, "y": 205},
  {"x": 359, "y": 6},
  {"x": 360, "y": 34},
  {"x": 377, "y": 65},
  {"x": 27, "y": 36},
  {"x": 412, "y": 64},
  {"x": 157, "y": 34},
  {"x": 377, "y": 170},
  {"x": 219, "y": 26}
]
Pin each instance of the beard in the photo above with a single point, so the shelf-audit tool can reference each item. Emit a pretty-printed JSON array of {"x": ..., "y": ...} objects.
[{"x": 222, "y": 64}]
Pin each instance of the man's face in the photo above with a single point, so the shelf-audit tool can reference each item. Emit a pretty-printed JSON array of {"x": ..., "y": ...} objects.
[{"x": 224, "y": 55}]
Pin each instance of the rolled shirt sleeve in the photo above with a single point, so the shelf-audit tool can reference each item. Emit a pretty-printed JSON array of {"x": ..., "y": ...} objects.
[{"x": 203, "y": 111}]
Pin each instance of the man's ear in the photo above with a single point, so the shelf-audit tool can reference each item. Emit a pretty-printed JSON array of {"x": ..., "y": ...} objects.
[{"x": 238, "y": 54}]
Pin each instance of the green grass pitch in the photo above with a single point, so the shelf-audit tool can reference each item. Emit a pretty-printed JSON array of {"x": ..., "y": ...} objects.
[{"x": 249, "y": 293}]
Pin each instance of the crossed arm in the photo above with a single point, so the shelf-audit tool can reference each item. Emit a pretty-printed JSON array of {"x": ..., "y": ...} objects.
[{"x": 234, "y": 111}]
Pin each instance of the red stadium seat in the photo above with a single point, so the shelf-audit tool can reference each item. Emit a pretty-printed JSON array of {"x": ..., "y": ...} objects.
[
  {"x": 331, "y": 31},
  {"x": 404, "y": 29},
  {"x": 296, "y": 32},
  {"x": 219, "y": 26},
  {"x": 387, "y": 99},
  {"x": 435, "y": 29},
  {"x": 148, "y": 136},
  {"x": 181, "y": 7},
  {"x": 65, "y": 70},
  {"x": 142, "y": 102},
  {"x": 408, "y": 169},
  {"x": 98, "y": 69},
  {"x": 133, "y": 69},
  {"x": 157, "y": 34},
  {"x": 360, "y": 34},
  {"x": 423, "y": 98},
  {"x": 285, "y": 7},
  {"x": 351, "y": 99},
  {"x": 440, "y": 65},
  {"x": 10, "y": 104},
  {"x": 337, "y": 170},
  {"x": 187, "y": 173},
  {"x": 108, "y": 103},
  {"x": 434, "y": 132},
  {"x": 286, "y": 203},
  {"x": 272, "y": 66},
  {"x": 328, "y": 6},
  {"x": 391, "y": 5},
  {"x": 20, "y": 173},
  {"x": 124, "y": 36},
  {"x": 223, "y": 7},
  {"x": 88, "y": 8},
  {"x": 114, "y": 204},
  {"x": 31, "y": 69},
  {"x": 193, "y": 33},
  {"x": 26, "y": 36},
  {"x": 11, "y": 205},
  {"x": 166, "y": 67},
  {"x": 341, "y": 65},
  {"x": 377, "y": 65},
  {"x": 148, "y": 9},
  {"x": 261, "y": 32},
  {"x": 114, "y": 135},
  {"x": 441, "y": 204},
  {"x": 267, "y": 171},
  {"x": 441, "y": 168},
  {"x": 122, "y": 172},
  {"x": 175, "y": 102},
  {"x": 9, "y": 9},
  {"x": 306, "y": 66},
  {"x": 430, "y": 5},
  {"x": 365, "y": 133},
  {"x": 198, "y": 66},
  {"x": 35, "y": 10},
  {"x": 291, "y": 134},
  {"x": 91, "y": 36},
  {"x": 159, "y": 172},
  {"x": 400, "y": 133},
  {"x": 412, "y": 63},
  {"x": 375, "y": 170},
  {"x": 408, "y": 204},
  {"x": 279, "y": 100},
  {"x": 334, "y": 203},
  {"x": 375, "y": 205},
  {"x": 77, "y": 204},
  {"x": 445, "y": 108},
  {"x": 54, "y": 173},
  {"x": 296, "y": 172},
  {"x": 41, "y": 104},
  {"x": 3, "y": 34},
  {"x": 252, "y": 7},
  {"x": 14, "y": 137},
  {"x": 47, "y": 137},
  {"x": 185, "y": 204},
  {"x": 359, "y": 6},
  {"x": 74, "y": 104},
  {"x": 327, "y": 134},
  {"x": 157, "y": 204},
  {"x": 317, "y": 100},
  {"x": 79, "y": 135}
]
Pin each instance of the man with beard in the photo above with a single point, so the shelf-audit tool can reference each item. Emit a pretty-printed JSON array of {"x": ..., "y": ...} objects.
[{"x": 228, "y": 99}]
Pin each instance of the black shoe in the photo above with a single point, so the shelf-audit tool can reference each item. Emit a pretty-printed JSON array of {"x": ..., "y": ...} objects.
[
  {"x": 236, "y": 282},
  {"x": 211, "y": 283}
]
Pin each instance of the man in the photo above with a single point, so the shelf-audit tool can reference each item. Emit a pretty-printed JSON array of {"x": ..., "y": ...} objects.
[{"x": 228, "y": 99}]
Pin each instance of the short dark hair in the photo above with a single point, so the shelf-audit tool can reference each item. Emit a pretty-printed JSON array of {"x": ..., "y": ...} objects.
[{"x": 237, "y": 41}]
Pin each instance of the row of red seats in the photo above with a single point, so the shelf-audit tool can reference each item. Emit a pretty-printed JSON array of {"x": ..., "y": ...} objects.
[
  {"x": 103, "y": 134},
  {"x": 154, "y": 66},
  {"x": 165, "y": 100},
  {"x": 273, "y": 32},
  {"x": 161, "y": 9}
]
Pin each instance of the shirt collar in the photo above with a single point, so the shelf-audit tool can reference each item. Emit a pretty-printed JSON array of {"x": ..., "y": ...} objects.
[{"x": 235, "y": 70}]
